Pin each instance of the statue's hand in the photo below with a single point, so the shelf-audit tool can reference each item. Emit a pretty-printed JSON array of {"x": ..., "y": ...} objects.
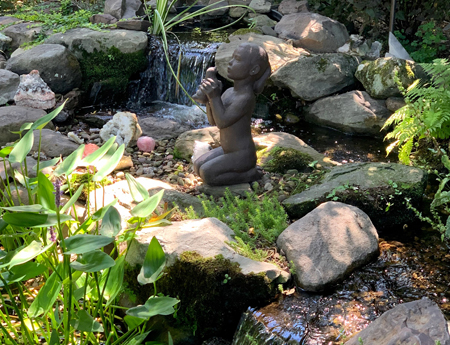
[{"x": 211, "y": 87}]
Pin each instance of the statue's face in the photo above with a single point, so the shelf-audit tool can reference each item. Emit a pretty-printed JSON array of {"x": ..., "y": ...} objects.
[{"x": 239, "y": 65}]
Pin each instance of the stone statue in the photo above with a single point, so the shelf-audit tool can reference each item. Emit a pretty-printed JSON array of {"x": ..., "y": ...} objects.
[{"x": 235, "y": 161}]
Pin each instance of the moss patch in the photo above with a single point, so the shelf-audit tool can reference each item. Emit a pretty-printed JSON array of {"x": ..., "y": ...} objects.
[
  {"x": 209, "y": 306},
  {"x": 284, "y": 159},
  {"x": 112, "y": 67},
  {"x": 322, "y": 65},
  {"x": 246, "y": 31}
]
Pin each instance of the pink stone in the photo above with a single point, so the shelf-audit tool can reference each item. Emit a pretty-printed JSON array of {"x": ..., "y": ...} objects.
[
  {"x": 89, "y": 148},
  {"x": 146, "y": 144}
]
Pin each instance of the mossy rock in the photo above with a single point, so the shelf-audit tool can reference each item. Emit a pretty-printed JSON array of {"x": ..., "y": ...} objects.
[
  {"x": 379, "y": 189},
  {"x": 378, "y": 76},
  {"x": 209, "y": 306}
]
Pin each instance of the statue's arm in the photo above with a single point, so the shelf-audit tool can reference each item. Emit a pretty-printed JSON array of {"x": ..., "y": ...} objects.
[
  {"x": 209, "y": 114},
  {"x": 225, "y": 117}
]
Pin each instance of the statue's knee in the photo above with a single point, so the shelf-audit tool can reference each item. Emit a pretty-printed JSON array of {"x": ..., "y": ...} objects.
[{"x": 206, "y": 175}]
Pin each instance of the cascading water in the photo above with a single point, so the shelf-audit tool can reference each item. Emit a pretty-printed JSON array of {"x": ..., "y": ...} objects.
[{"x": 157, "y": 83}]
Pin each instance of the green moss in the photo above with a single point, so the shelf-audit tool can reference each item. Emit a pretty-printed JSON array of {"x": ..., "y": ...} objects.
[
  {"x": 113, "y": 68},
  {"x": 76, "y": 180},
  {"x": 284, "y": 159},
  {"x": 208, "y": 305},
  {"x": 322, "y": 65},
  {"x": 246, "y": 31}
]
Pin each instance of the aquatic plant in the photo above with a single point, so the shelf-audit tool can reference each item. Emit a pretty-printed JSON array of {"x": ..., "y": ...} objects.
[{"x": 59, "y": 282}]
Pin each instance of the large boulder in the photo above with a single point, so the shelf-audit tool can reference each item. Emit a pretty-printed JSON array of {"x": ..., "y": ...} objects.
[
  {"x": 22, "y": 33},
  {"x": 184, "y": 145},
  {"x": 85, "y": 41},
  {"x": 379, "y": 189},
  {"x": 268, "y": 144},
  {"x": 327, "y": 244},
  {"x": 56, "y": 64},
  {"x": 419, "y": 322},
  {"x": 292, "y": 6},
  {"x": 160, "y": 128},
  {"x": 53, "y": 144},
  {"x": 278, "y": 50},
  {"x": 354, "y": 112},
  {"x": 314, "y": 77},
  {"x": 312, "y": 31},
  {"x": 378, "y": 76},
  {"x": 13, "y": 117},
  {"x": 8, "y": 86},
  {"x": 5, "y": 42}
]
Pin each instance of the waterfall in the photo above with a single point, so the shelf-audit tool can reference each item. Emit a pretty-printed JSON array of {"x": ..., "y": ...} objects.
[{"x": 157, "y": 83}]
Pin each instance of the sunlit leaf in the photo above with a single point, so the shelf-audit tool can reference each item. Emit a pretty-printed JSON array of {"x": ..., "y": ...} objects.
[
  {"x": 84, "y": 322},
  {"x": 84, "y": 243},
  {"x": 98, "y": 154},
  {"x": 111, "y": 223},
  {"x": 115, "y": 280},
  {"x": 46, "y": 192},
  {"x": 28, "y": 253},
  {"x": 133, "y": 321},
  {"x": 146, "y": 207},
  {"x": 70, "y": 163},
  {"x": 23, "y": 272},
  {"x": 42, "y": 122},
  {"x": 22, "y": 148},
  {"x": 73, "y": 199},
  {"x": 137, "y": 190},
  {"x": 46, "y": 164},
  {"x": 138, "y": 339},
  {"x": 94, "y": 261},
  {"x": 5, "y": 151},
  {"x": 154, "y": 306},
  {"x": 154, "y": 262},
  {"x": 46, "y": 296},
  {"x": 33, "y": 220},
  {"x": 109, "y": 167}
]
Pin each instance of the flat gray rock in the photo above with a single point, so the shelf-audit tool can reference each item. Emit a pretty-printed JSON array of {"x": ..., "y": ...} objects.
[
  {"x": 22, "y": 33},
  {"x": 54, "y": 144},
  {"x": 82, "y": 40},
  {"x": 328, "y": 243},
  {"x": 12, "y": 117},
  {"x": 184, "y": 144},
  {"x": 8, "y": 86},
  {"x": 354, "y": 112},
  {"x": 379, "y": 189},
  {"x": 57, "y": 66},
  {"x": 419, "y": 322},
  {"x": 159, "y": 128},
  {"x": 206, "y": 237},
  {"x": 314, "y": 77}
]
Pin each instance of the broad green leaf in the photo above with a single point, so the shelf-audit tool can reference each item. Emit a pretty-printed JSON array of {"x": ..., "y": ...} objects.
[
  {"x": 42, "y": 122},
  {"x": 46, "y": 296},
  {"x": 22, "y": 148},
  {"x": 23, "y": 272},
  {"x": 446, "y": 162},
  {"x": 138, "y": 339},
  {"x": 46, "y": 192},
  {"x": 46, "y": 164},
  {"x": 28, "y": 253},
  {"x": 137, "y": 190},
  {"x": 84, "y": 243},
  {"x": 146, "y": 207},
  {"x": 86, "y": 323},
  {"x": 73, "y": 199},
  {"x": 5, "y": 151},
  {"x": 111, "y": 223},
  {"x": 3, "y": 225},
  {"x": 25, "y": 126},
  {"x": 106, "y": 157},
  {"x": 109, "y": 167},
  {"x": 98, "y": 215},
  {"x": 154, "y": 306},
  {"x": 94, "y": 261},
  {"x": 170, "y": 339},
  {"x": 115, "y": 280},
  {"x": 54, "y": 338},
  {"x": 26, "y": 208},
  {"x": 70, "y": 163},
  {"x": 133, "y": 321},
  {"x": 154, "y": 263},
  {"x": 98, "y": 154},
  {"x": 34, "y": 220}
]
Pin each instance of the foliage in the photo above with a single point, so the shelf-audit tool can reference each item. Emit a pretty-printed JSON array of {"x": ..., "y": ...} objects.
[
  {"x": 426, "y": 113},
  {"x": 256, "y": 222},
  {"x": 427, "y": 46},
  {"x": 284, "y": 159},
  {"x": 79, "y": 280}
]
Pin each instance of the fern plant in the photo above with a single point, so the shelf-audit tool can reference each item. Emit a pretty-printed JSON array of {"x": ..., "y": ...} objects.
[{"x": 426, "y": 113}]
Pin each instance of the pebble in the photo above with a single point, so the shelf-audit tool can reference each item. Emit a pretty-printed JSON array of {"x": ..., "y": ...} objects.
[
  {"x": 180, "y": 181},
  {"x": 86, "y": 136},
  {"x": 120, "y": 175},
  {"x": 268, "y": 186},
  {"x": 95, "y": 136},
  {"x": 140, "y": 171}
]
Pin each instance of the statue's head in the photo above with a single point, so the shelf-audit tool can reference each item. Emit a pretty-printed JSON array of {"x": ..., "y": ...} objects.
[{"x": 250, "y": 61}]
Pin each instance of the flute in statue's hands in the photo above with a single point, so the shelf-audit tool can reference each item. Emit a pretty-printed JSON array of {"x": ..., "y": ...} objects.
[{"x": 210, "y": 80}]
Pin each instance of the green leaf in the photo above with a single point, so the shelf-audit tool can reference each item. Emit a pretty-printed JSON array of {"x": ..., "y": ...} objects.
[
  {"x": 133, "y": 321},
  {"x": 86, "y": 323},
  {"x": 46, "y": 296},
  {"x": 446, "y": 162},
  {"x": 54, "y": 338},
  {"x": 5, "y": 151},
  {"x": 115, "y": 280},
  {"x": 46, "y": 192},
  {"x": 146, "y": 207},
  {"x": 154, "y": 263},
  {"x": 109, "y": 167},
  {"x": 34, "y": 220},
  {"x": 447, "y": 228},
  {"x": 137, "y": 190},
  {"x": 28, "y": 253},
  {"x": 84, "y": 243},
  {"x": 98, "y": 154},
  {"x": 154, "y": 306},
  {"x": 22, "y": 148},
  {"x": 46, "y": 164},
  {"x": 42, "y": 122},
  {"x": 137, "y": 339},
  {"x": 111, "y": 223},
  {"x": 94, "y": 261},
  {"x": 96, "y": 216},
  {"x": 25, "y": 208},
  {"x": 73, "y": 199},
  {"x": 23, "y": 272},
  {"x": 70, "y": 163}
]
